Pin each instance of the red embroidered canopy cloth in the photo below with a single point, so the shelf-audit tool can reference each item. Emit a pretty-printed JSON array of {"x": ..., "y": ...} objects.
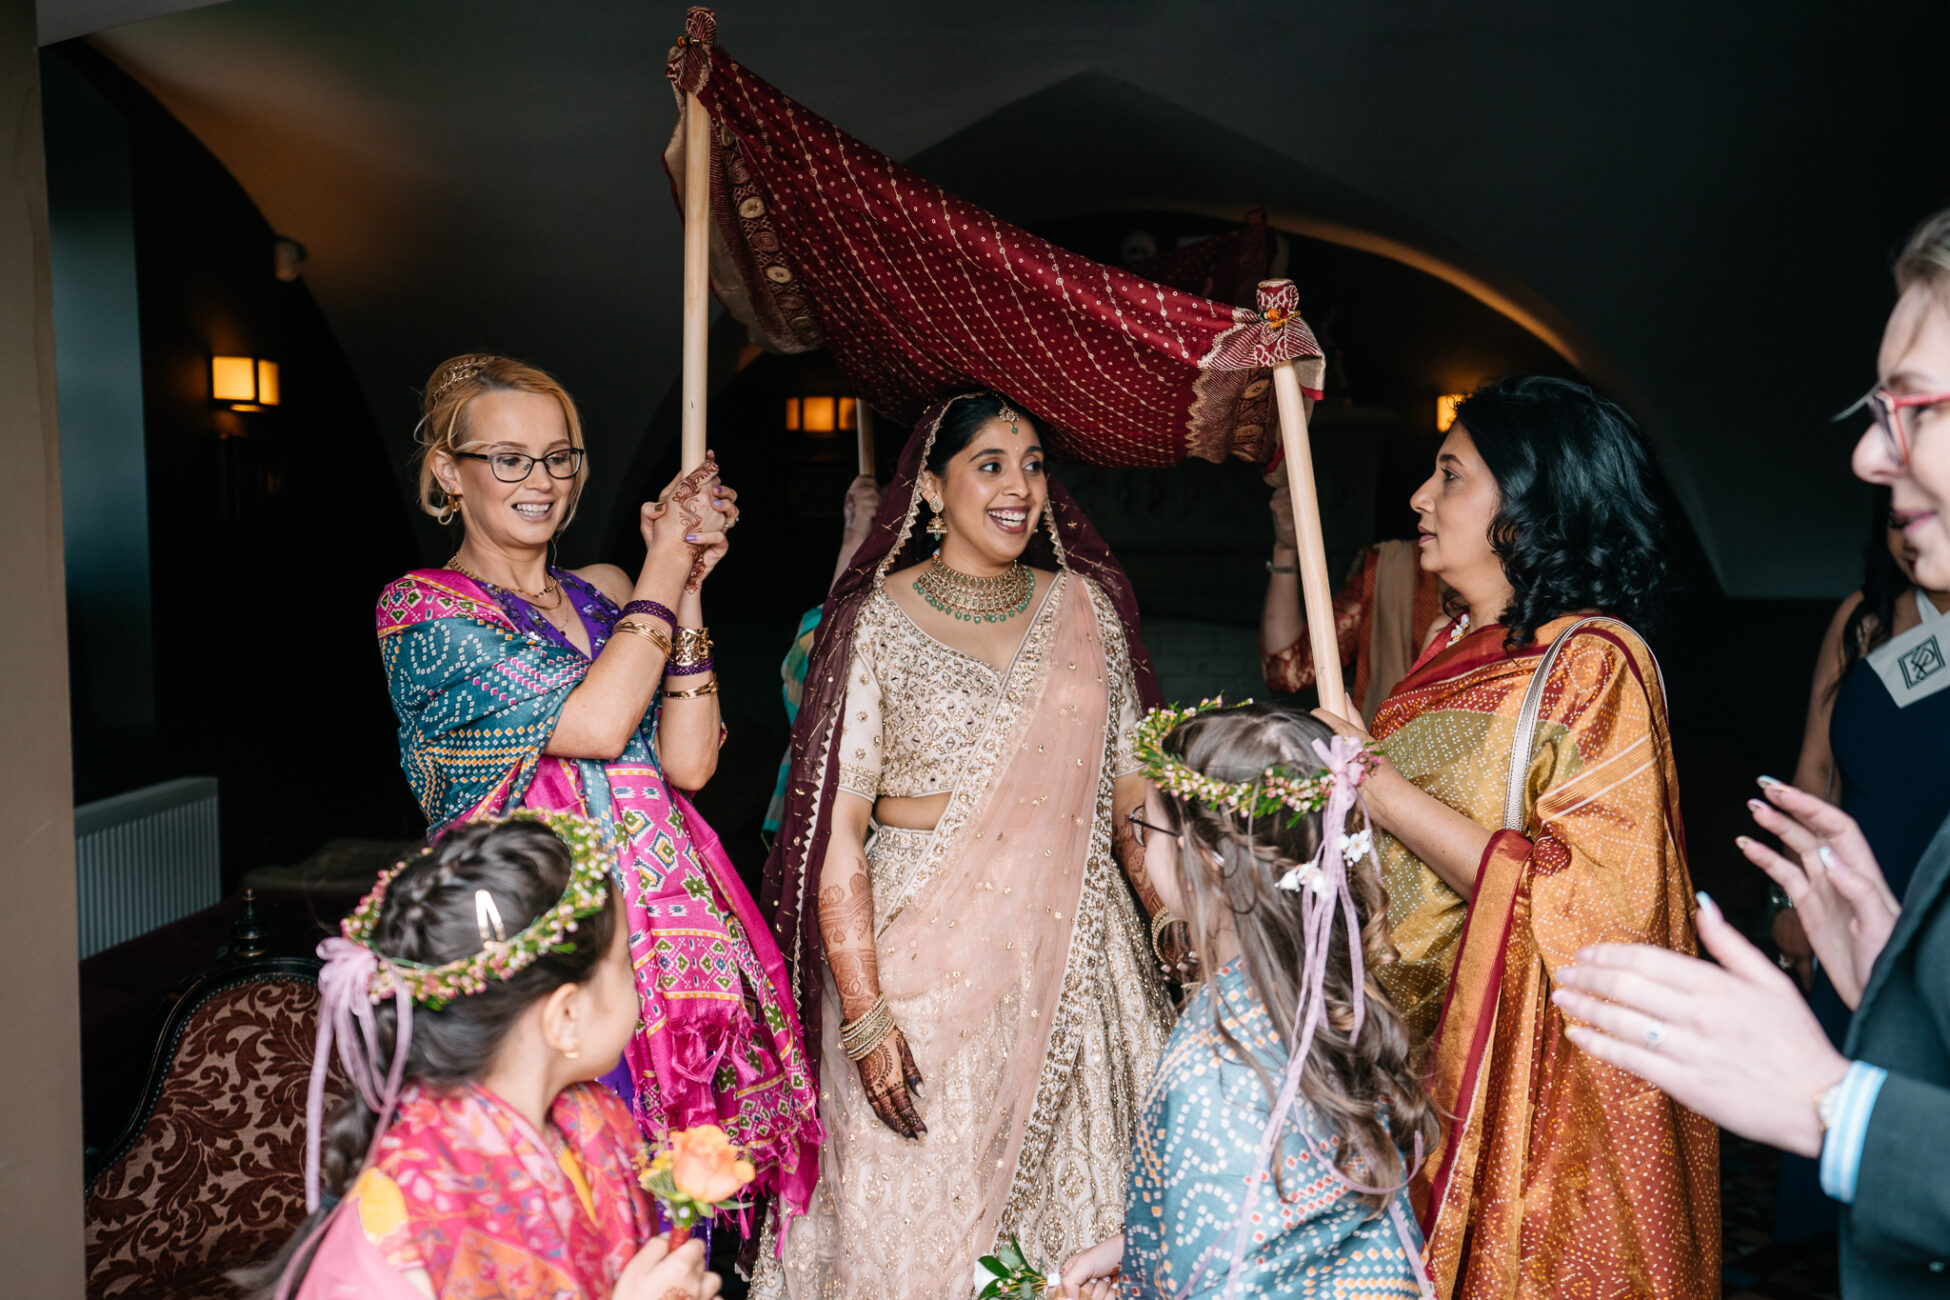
[{"x": 819, "y": 241}]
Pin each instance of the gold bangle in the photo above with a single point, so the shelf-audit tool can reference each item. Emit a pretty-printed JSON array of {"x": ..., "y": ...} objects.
[
  {"x": 1163, "y": 921},
  {"x": 709, "y": 688},
  {"x": 691, "y": 646},
  {"x": 648, "y": 631},
  {"x": 860, "y": 1037}
]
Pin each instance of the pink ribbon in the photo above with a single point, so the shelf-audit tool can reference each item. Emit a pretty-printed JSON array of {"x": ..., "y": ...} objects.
[{"x": 345, "y": 1001}]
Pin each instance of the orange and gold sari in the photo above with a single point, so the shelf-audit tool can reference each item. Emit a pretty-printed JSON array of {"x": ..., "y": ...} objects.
[{"x": 1559, "y": 1175}]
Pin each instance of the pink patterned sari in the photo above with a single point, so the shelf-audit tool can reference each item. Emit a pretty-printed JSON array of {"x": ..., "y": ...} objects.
[
  {"x": 466, "y": 1200},
  {"x": 478, "y": 696}
]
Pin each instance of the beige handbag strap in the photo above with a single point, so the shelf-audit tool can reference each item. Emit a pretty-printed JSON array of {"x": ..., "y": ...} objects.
[{"x": 1524, "y": 744}]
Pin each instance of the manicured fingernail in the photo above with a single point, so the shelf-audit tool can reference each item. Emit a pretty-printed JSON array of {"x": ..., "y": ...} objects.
[
  {"x": 1757, "y": 805},
  {"x": 690, "y": 537},
  {"x": 1743, "y": 841},
  {"x": 1829, "y": 860},
  {"x": 1577, "y": 1034},
  {"x": 1562, "y": 997},
  {"x": 1706, "y": 904},
  {"x": 1768, "y": 780}
]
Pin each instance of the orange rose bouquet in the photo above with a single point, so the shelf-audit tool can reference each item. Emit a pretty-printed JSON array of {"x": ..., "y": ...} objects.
[{"x": 695, "y": 1177}]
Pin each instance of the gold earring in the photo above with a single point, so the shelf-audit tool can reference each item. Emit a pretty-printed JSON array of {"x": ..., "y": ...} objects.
[
  {"x": 573, "y": 1053},
  {"x": 937, "y": 527}
]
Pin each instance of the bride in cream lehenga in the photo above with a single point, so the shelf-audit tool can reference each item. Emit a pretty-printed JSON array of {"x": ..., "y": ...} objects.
[{"x": 980, "y": 986}]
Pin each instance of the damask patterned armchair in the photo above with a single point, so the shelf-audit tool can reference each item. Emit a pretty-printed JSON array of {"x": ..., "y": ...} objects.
[{"x": 209, "y": 1174}]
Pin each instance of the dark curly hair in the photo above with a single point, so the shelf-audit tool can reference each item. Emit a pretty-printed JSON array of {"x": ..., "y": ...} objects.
[{"x": 1580, "y": 523}]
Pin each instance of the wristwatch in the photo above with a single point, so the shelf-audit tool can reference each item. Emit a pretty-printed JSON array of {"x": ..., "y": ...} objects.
[{"x": 1827, "y": 1101}]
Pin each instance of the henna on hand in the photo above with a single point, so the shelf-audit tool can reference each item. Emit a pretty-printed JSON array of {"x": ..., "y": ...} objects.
[
  {"x": 889, "y": 1077},
  {"x": 688, "y": 500}
]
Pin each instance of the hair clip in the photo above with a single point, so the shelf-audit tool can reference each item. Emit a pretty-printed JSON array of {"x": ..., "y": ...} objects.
[{"x": 486, "y": 914}]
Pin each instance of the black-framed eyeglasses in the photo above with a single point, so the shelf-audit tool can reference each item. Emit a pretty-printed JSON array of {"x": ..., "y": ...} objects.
[
  {"x": 1139, "y": 826},
  {"x": 516, "y": 466}
]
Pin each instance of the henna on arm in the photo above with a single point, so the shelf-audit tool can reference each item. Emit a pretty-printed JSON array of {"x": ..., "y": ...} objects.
[
  {"x": 888, "y": 1075},
  {"x": 846, "y": 924}
]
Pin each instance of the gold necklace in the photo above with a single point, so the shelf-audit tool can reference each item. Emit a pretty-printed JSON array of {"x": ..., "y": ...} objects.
[
  {"x": 976, "y": 600},
  {"x": 551, "y": 590}
]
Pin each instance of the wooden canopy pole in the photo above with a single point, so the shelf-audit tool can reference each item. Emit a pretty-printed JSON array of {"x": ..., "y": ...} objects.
[
  {"x": 863, "y": 429},
  {"x": 697, "y": 278},
  {"x": 1322, "y": 630}
]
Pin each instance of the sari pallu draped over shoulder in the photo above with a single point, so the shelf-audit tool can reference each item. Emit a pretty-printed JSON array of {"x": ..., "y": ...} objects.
[
  {"x": 719, "y": 1041},
  {"x": 1559, "y": 1175}
]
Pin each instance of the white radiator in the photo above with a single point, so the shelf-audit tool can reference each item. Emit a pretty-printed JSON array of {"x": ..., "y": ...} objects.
[{"x": 144, "y": 859}]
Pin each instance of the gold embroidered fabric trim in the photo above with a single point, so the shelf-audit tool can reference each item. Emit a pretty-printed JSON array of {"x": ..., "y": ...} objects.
[{"x": 1105, "y": 908}]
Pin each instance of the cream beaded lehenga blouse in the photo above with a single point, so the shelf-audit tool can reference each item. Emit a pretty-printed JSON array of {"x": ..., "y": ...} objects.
[{"x": 1011, "y": 952}]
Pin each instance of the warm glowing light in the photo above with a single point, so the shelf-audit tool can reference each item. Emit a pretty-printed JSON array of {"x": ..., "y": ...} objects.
[
  {"x": 233, "y": 379},
  {"x": 267, "y": 382},
  {"x": 846, "y": 412},
  {"x": 819, "y": 414},
  {"x": 1445, "y": 410},
  {"x": 792, "y": 414}
]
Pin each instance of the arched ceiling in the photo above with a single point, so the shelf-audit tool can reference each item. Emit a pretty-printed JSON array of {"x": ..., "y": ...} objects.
[{"x": 1700, "y": 199}]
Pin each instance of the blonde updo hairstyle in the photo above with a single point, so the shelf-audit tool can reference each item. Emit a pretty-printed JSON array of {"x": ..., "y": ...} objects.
[
  {"x": 1925, "y": 259},
  {"x": 454, "y": 385}
]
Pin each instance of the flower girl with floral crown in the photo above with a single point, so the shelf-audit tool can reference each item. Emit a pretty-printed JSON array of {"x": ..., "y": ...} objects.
[
  {"x": 1273, "y": 1149},
  {"x": 476, "y": 995}
]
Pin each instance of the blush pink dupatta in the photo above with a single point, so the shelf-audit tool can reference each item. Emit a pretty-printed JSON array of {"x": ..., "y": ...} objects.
[{"x": 975, "y": 941}]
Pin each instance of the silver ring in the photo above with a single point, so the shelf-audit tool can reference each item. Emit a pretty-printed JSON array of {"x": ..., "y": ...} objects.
[{"x": 1655, "y": 1033}]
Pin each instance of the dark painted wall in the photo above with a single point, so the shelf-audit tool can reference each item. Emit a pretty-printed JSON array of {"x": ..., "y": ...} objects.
[{"x": 269, "y": 534}]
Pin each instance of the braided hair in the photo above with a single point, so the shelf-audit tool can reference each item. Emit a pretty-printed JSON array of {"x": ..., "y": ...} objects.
[
  {"x": 1367, "y": 1086},
  {"x": 429, "y": 917}
]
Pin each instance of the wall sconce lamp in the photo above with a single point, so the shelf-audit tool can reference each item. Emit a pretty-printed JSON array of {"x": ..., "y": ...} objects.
[
  {"x": 1445, "y": 410},
  {"x": 821, "y": 415},
  {"x": 243, "y": 383}
]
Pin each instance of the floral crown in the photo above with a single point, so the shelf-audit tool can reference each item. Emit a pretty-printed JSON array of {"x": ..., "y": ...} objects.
[
  {"x": 591, "y": 858},
  {"x": 1302, "y": 791}
]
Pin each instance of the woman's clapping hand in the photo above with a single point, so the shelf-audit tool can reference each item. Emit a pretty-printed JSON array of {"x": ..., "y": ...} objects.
[
  {"x": 1734, "y": 1042},
  {"x": 1845, "y": 908}
]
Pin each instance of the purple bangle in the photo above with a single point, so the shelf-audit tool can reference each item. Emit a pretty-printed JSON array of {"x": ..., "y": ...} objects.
[
  {"x": 650, "y": 607},
  {"x": 685, "y": 670}
]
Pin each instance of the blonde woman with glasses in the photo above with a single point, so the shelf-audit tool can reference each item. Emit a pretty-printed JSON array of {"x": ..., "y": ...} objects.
[{"x": 520, "y": 684}]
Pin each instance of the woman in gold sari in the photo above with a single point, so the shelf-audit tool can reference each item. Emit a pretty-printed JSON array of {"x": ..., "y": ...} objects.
[
  {"x": 980, "y": 980},
  {"x": 1559, "y": 1175}
]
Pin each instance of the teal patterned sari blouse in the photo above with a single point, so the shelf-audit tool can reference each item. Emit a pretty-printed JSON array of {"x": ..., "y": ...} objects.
[{"x": 1197, "y": 1138}]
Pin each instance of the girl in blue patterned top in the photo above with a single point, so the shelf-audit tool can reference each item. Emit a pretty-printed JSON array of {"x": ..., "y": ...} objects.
[{"x": 1258, "y": 1169}]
